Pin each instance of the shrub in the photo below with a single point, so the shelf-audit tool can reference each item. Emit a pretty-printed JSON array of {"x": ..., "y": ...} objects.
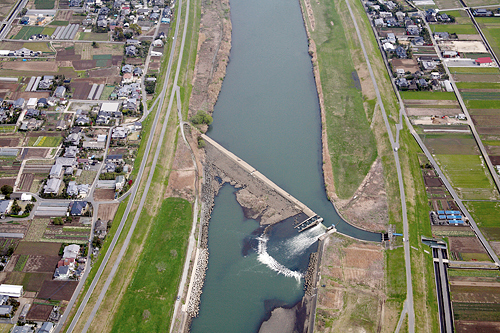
[{"x": 201, "y": 117}]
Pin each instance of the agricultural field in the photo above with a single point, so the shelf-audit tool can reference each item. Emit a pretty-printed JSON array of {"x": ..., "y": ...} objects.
[
  {"x": 450, "y": 143},
  {"x": 478, "y": 85},
  {"x": 27, "y": 32},
  {"x": 474, "y": 70},
  {"x": 59, "y": 23},
  {"x": 425, "y": 95},
  {"x": 459, "y": 29},
  {"x": 155, "y": 281},
  {"x": 486, "y": 214},
  {"x": 38, "y": 46},
  {"x": 491, "y": 30},
  {"x": 98, "y": 37},
  {"x": 469, "y": 176},
  {"x": 5, "y": 8},
  {"x": 481, "y": 95},
  {"x": 467, "y": 248},
  {"x": 443, "y": 4},
  {"x": 44, "y": 4},
  {"x": 45, "y": 141}
]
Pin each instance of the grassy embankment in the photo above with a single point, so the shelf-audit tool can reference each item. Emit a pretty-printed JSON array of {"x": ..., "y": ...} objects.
[
  {"x": 424, "y": 292},
  {"x": 422, "y": 270},
  {"x": 148, "y": 299},
  {"x": 107, "y": 316},
  {"x": 147, "y": 127}
]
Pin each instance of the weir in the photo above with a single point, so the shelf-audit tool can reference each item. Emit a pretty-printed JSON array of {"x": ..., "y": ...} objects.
[
  {"x": 310, "y": 222},
  {"x": 256, "y": 174}
]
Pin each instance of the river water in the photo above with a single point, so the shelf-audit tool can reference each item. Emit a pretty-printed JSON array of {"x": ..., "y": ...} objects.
[{"x": 268, "y": 115}]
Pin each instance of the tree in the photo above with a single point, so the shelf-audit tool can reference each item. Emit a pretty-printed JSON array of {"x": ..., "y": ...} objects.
[
  {"x": 96, "y": 242},
  {"x": 29, "y": 208},
  {"x": 58, "y": 221},
  {"x": 136, "y": 28},
  {"x": 15, "y": 208},
  {"x": 95, "y": 45},
  {"x": 201, "y": 117},
  {"x": 6, "y": 189}
]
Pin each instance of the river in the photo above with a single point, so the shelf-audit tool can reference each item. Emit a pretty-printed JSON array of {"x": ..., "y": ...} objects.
[{"x": 268, "y": 115}]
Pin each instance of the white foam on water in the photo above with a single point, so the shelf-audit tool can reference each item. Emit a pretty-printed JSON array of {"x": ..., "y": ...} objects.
[
  {"x": 266, "y": 259},
  {"x": 302, "y": 241}
]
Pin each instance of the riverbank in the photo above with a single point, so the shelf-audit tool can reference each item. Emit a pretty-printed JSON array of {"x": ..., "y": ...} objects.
[{"x": 365, "y": 206}]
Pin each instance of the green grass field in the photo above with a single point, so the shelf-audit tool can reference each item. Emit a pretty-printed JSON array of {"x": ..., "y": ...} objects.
[
  {"x": 93, "y": 36},
  {"x": 478, "y": 85},
  {"x": 427, "y": 95},
  {"x": 486, "y": 214},
  {"x": 467, "y": 172},
  {"x": 483, "y": 104},
  {"x": 153, "y": 289},
  {"x": 491, "y": 30},
  {"x": 459, "y": 29},
  {"x": 59, "y": 23},
  {"x": 48, "y": 31},
  {"x": 45, "y": 141},
  {"x": 26, "y": 32},
  {"x": 44, "y": 4},
  {"x": 474, "y": 70},
  {"x": 21, "y": 262},
  {"x": 488, "y": 96},
  {"x": 40, "y": 46},
  {"x": 350, "y": 140}
]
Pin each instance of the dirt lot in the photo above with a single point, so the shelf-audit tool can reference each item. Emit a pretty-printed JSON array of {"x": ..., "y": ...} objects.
[
  {"x": 34, "y": 153},
  {"x": 28, "y": 95},
  {"x": 81, "y": 65},
  {"x": 57, "y": 290},
  {"x": 182, "y": 177},
  {"x": 475, "y": 294},
  {"x": 82, "y": 90},
  {"x": 7, "y": 181},
  {"x": 39, "y": 312},
  {"x": 352, "y": 281},
  {"x": 432, "y": 111},
  {"x": 40, "y": 248},
  {"x": 9, "y": 142},
  {"x": 105, "y": 72},
  {"x": 107, "y": 211},
  {"x": 37, "y": 263},
  {"x": 411, "y": 102},
  {"x": 466, "y": 245},
  {"x": 409, "y": 65},
  {"x": 102, "y": 194},
  {"x": 30, "y": 66},
  {"x": 476, "y": 326},
  {"x": 464, "y": 46},
  {"x": 367, "y": 208}
]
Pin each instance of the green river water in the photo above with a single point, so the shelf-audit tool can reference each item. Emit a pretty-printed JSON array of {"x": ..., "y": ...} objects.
[{"x": 268, "y": 115}]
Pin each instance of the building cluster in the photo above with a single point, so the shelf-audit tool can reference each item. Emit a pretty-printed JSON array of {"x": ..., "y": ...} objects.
[{"x": 72, "y": 264}]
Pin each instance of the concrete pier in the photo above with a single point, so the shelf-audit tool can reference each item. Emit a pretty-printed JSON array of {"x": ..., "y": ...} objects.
[{"x": 252, "y": 171}]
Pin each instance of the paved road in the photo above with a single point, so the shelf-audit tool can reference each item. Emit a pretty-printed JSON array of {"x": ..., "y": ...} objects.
[
  {"x": 145, "y": 193},
  {"x": 395, "y": 146},
  {"x": 13, "y": 15}
]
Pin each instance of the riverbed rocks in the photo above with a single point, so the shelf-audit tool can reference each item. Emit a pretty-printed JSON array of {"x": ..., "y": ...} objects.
[
  {"x": 309, "y": 283},
  {"x": 193, "y": 305},
  {"x": 260, "y": 201}
]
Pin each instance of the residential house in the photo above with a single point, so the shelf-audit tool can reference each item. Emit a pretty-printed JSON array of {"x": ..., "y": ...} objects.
[
  {"x": 402, "y": 83},
  {"x": 401, "y": 52},
  {"x": 78, "y": 208},
  {"x": 118, "y": 159},
  {"x": 19, "y": 103},
  {"x": 52, "y": 186},
  {"x": 61, "y": 273},
  {"x": 42, "y": 102},
  {"x": 119, "y": 133},
  {"x": 47, "y": 327},
  {"x": 73, "y": 139},
  {"x": 101, "y": 228},
  {"x": 131, "y": 51},
  {"x": 5, "y": 206},
  {"x": 82, "y": 120},
  {"x": 418, "y": 41},
  {"x": 137, "y": 71},
  {"x": 60, "y": 92},
  {"x": 56, "y": 171},
  {"x": 119, "y": 182},
  {"x": 159, "y": 42},
  {"x": 71, "y": 151},
  {"x": 127, "y": 68},
  {"x": 5, "y": 310},
  {"x": 450, "y": 54},
  {"x": 71, "y": 251},
  {"x": 127, "y": 78}
]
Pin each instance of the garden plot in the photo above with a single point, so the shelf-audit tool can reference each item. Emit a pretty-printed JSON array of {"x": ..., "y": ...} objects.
[
  {"x": 467, "y": 248},
  {"x": 450, "y": 143}
]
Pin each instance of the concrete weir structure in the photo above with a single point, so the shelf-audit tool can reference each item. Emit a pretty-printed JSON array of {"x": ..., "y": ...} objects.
[
  {"x": 253, "y": 172},
  {"x": 261, "y": 199}
]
